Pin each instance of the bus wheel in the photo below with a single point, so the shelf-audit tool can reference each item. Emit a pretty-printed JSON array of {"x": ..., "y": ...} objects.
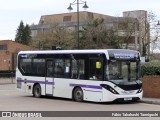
[
  {"x": 37, "y": 91},
  {"x": 78, "y": 94}
]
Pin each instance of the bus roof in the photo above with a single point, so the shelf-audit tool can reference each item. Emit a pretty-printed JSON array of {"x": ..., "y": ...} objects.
[
  {"x": 109, "y": 53},
  {"x": 76, "y": 51}
]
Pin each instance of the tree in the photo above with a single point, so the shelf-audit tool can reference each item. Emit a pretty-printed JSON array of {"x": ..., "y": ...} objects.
[
  {"x": 23, "y": 34},
  {"x": 97, "y": 35},
  {"x": 150, "y": 30},
  {"x": 92, "y": 35},
  {"x": 26, "y": 35},
  {"x": 55, "y": 35},
  {"x": 19, "y": 33}
]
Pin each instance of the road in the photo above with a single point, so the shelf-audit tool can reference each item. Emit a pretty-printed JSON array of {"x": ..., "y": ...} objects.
[{"x": 13, "y": 100}]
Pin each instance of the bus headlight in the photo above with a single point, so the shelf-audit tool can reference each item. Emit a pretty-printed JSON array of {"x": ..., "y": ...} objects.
[
  {"x": 140, "y": 90},
  {"x": 109, "y": 88}
]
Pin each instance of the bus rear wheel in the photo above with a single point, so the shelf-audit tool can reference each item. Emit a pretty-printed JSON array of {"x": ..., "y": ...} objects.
[
  {"x": 37, "y": 91},
  {"x": 78, "y": 94}
]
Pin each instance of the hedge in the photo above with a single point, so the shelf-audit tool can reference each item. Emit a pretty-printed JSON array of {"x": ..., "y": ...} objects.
[{"x": 150, "y": 68}]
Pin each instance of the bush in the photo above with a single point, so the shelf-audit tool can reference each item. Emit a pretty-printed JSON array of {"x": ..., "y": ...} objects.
[{"x": 151, "y": 68}]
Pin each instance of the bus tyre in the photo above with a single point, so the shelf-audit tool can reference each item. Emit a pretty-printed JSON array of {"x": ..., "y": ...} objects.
[
  {"x": 37, "y": 91},
  {"x": 78, "y": 94}
]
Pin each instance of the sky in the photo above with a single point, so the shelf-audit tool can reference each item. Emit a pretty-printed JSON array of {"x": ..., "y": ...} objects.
[{"x": 30, "y": 11}]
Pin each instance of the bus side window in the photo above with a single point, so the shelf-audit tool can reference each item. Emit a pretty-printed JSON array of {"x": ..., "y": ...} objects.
[
  {"x": 49, "y": 68},
  {"x": 67, "y": 68},
  {"x": 81, "y": 69},
  {"x": 25, "y": 66},
  {"x": 59, "y": 68},
  {"x": 74, "y": 69},
  {"x": 62, "y": 68}
]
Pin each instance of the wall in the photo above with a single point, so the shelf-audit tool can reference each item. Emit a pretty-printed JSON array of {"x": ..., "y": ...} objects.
[
  {"x": 8, "y": 57},
  {"x": 151, "y": 86}
]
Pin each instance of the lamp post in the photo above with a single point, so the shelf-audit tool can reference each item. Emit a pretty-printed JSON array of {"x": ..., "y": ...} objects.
[{"x": 77, "y": 2}]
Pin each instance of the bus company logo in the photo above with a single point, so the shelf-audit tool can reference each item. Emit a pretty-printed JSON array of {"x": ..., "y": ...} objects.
[
  {"x": 24, "y": 56},
  {"x": 6, "y": 114},
  {"x": 21, "y": 114}
]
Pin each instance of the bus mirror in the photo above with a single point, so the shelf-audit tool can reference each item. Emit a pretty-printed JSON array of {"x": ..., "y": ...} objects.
[{"x": 98, "y": 65}]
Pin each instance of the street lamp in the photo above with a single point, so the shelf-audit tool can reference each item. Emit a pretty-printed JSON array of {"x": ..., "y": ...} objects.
[
  {"x": 70, "y": 8},
  {"x": 158, "y": 22}
]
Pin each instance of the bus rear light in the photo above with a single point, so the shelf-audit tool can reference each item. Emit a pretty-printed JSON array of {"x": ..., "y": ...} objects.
[{"x": 109, "y": 88}]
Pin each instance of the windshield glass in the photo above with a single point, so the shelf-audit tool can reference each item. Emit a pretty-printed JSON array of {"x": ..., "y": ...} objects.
[{"x": 122, "y": 70}]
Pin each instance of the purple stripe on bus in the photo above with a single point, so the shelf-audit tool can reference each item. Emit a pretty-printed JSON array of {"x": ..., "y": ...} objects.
[
  {"x": 33, "y": 81},
  {"x": 86, "y": 86}
]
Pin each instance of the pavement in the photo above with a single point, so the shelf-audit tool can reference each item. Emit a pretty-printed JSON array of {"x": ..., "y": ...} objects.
[
  {"x": 10, "y": 80},
  {"x": 151, "y": 100}
]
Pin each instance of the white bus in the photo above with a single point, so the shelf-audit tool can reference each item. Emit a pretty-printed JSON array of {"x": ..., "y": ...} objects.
[{"x": 89, "y": 75}]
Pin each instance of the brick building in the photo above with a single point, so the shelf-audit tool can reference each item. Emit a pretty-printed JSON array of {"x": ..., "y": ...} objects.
[{"x": 8, "y": 54}]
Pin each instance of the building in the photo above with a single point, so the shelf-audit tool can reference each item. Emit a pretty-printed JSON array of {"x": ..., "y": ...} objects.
[
  {"x": 68, "y": 20},
  {"x": 8, "y": 54},
  {"x": 137, "y": 18},
  {"x": 143, "y": 28}
]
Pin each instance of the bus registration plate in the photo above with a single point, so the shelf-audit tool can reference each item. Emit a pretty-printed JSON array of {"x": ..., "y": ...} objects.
[{"x": 128, "y": 98}]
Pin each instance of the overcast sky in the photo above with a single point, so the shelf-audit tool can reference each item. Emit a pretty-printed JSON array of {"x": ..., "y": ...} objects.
[{"x": 30, "y": 11}]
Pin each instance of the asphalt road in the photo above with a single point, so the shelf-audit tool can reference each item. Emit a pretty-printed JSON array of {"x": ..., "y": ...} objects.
[{"x": 13, "y": 100}]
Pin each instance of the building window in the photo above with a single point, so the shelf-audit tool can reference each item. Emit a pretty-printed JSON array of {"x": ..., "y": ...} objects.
[
  {"x": 67, "y": 18},
  {"x": 3, "y": 47}
]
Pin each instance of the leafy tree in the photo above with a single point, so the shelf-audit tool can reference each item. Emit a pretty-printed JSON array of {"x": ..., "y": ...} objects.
[
  {"x": 149, "y": 33},
  {"x": 96, "y": 35},
  {"x": 23, "y": 34},
  {"x": 90, "y": 38},
  {"x": 54, "y": 36}
]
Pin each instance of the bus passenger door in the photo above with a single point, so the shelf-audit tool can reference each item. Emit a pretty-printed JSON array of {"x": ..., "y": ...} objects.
[{"x": 49, "y": 80}]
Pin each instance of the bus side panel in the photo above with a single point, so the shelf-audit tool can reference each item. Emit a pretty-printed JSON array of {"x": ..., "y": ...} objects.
[
  {"x": 91, "y": 95},
  {"x": 31, "y": 81},
  {"x": 91, "y": 89},
  {"x": 62, "y": 87},
  {"x": 26, "y": 83}
]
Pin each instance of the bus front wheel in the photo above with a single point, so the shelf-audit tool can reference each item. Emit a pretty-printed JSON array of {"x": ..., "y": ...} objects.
[
  {"x": 37, "y": 91},
  {"x": 78, "y": 94}
]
